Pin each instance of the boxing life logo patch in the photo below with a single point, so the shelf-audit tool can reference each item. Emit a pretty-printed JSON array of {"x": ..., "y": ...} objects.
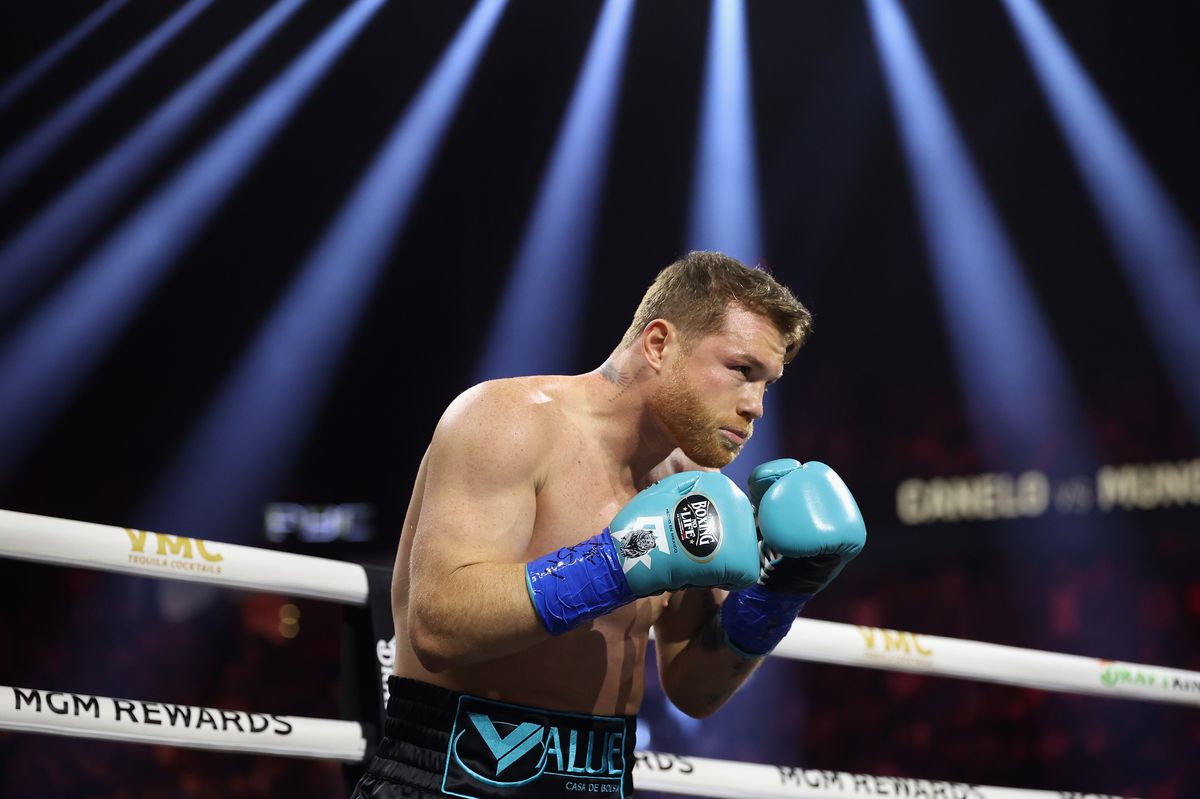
[
  {"x": 500, "y": 750},
  {"x": 698, "y": 527}
]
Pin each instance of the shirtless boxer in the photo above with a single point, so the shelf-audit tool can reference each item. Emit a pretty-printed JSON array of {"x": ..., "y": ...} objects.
[{"x": 556, "y": 519}]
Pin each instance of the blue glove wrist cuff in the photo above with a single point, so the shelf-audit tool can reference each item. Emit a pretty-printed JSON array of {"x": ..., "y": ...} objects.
[
  {"x": 573, "y": 584},
  {"x": 756, "y": 620}
]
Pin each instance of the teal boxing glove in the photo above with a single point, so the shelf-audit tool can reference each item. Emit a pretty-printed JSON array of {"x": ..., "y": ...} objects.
[
  {"x": 811, "y": 528},
  {"x": 689, "y": 529}
]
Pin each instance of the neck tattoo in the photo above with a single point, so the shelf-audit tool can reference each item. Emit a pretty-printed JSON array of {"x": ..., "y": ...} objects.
[{"x": 622, "y": 380}]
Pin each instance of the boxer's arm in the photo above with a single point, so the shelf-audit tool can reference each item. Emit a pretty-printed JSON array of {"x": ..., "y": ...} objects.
[
  {"x": 697, "y": 670},
  {"x": 697, "y": 676},
  {"x": 467, "y": 596}
]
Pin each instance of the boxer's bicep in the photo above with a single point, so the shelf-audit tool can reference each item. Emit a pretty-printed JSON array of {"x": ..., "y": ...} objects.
[
  {"x": 467, "y": 595},
  {"x": 480, "y": 497}
]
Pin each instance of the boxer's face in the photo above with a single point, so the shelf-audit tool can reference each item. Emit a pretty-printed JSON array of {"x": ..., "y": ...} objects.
[{"x": 711, "y": 393}]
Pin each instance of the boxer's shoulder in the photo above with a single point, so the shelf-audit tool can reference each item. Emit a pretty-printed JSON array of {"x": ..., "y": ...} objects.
[
  {"x": 517, "y": 420},
  {"x": 512, "y": 404}
]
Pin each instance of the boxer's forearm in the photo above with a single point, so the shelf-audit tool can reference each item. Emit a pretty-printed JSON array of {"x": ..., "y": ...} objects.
[
  {"x": 479, "y": 612},
  {"x": 698, "y": 671}
]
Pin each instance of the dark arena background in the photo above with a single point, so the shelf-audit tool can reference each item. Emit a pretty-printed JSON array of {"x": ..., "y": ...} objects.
[{"x": 249, "y": 250}]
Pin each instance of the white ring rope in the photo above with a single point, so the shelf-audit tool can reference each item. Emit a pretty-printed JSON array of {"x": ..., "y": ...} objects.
[
  {"x": 161, "y": 723},
  {"x": 188, "y": 727},
  {"x": 175, "y": 557},
  {"x": 894, "y": 650},
  {"x": 699, "y": 776},
  {"x": 97, "y": 546}
]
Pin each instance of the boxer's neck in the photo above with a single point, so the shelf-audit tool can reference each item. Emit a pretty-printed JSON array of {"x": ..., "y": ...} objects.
[{"x": 633, "y": 436}]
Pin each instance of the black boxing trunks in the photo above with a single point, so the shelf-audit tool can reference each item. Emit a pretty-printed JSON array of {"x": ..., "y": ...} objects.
[{"x": 440, "y": 743}]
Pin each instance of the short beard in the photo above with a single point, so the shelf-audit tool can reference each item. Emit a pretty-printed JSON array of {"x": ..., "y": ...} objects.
[{"x": 679, "y": 409}]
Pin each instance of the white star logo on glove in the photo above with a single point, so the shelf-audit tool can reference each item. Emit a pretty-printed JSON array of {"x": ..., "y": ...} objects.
[{"x": 638, "y": 540}]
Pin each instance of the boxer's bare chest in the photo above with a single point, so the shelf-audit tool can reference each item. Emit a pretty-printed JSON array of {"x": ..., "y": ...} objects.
[{"x": 581, "y": 493}]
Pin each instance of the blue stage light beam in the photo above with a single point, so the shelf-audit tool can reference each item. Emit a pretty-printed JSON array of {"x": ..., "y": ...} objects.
[
  {"x": 31, "y": 74},
  {"x": 39, "y": 144},
  {"x": 536, "y": 328},
  {"x": 725, "y": 215},
  {"x": 51, "y": 355},
  {"x": 1153, "y": 241},
  {"x": 725, "y": 210},
  {"x": 30, "y": 257},
  {"x": 243, "y": 446},
  {"x": 1017, "y": 390}
]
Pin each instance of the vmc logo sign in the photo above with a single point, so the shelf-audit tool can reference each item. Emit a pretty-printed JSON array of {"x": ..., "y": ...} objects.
[{"x": 159, "y": 551}]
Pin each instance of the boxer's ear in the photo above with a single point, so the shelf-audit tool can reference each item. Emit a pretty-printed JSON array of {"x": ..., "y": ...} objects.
[{"x": 659, "y": 340}]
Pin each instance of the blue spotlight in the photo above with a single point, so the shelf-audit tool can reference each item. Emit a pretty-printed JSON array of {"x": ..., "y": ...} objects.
[
  {"x": 52, "y": 354},
  {"x": 19, "y": 83},
  {"x": 725, "y": 216},
  {"x": 725, "y": 212},
  {"x": 242, "y": 448},
  {"x": 28, "y": 154},
  {"x": 1018, "y": 393},
  {"x": 30, "y": 257},
  {"x": 1152, "y": 239},
  {"x": 536, "y": 326}
]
